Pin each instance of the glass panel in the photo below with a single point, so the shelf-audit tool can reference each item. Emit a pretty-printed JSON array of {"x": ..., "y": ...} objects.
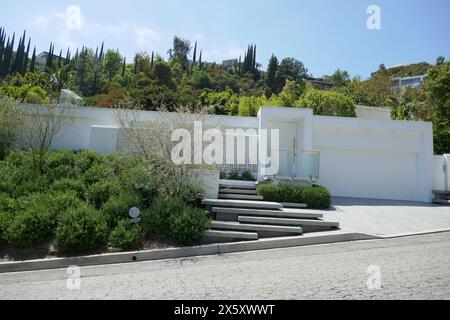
[{"x": 299, "y": 164}]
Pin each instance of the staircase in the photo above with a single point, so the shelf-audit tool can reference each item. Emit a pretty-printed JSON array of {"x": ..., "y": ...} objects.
[
  {"x": 240, "y": 214},
  {"x": 441, "y": 197}
]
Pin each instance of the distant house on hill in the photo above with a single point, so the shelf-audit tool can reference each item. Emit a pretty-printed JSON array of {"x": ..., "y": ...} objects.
[
  {"x": 319, "y": 83},
  {"x": 41, "y": 58},
  {"x": 407, "y": 82},
  {"x": 229, "y": 63}
]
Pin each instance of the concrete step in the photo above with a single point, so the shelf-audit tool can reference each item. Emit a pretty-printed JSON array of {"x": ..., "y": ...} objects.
[
  {"x": 237, "y": 191},
  {"x": 307, "y": 225},
  {"x": 240, "y": 197},
  {"x": 442, "y": 202},
  {"x": 262, "y": 230},
  {"x": 441, "y": 192},
  {"x": 242, "y": 204},
  {"x": 294, "y": 205},
  {"x": 232, "y": 214},
  {"x": 215, "y": 236},
  {"x": 235, "y": 186},
  {"x": 248, "y": 185}
]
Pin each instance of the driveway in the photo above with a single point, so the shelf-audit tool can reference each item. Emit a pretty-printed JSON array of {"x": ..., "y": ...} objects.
[{"x": 385, "y": 217}]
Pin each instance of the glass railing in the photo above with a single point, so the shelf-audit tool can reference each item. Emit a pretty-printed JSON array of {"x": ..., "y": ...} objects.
[{"x": 299, "y": 164}]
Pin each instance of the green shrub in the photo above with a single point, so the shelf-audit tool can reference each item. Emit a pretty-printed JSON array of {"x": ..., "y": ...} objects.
[
  {"x": 248, "y": 176},
  {"x": 156, "y": 219},
  {"x": 31, "y": 226},
  {"x": 98, "y": 172},
  {"x": 187, "y": 225},
  {"x": 314, "y": 197},
  {"x": 84, "y": 160},
  {"x": 140, "y": 181},
  {"x": 98, "y": 193},
  {"x": 126, "y": 236},
  {"x": 117, "y": 207},
  {"x": 119, "y": 163},
  {"x": 192, "y": 193},
  {"x": 233, "y": 175},
  {"x": 65, "y": 185},
  {"x": 5, "y": 220},
  {"x": 328, "y": 103},
  {"x": 317, "y": 197},
  {"x": 81, "y": 229},
  {"x": 37, "y": 216}
]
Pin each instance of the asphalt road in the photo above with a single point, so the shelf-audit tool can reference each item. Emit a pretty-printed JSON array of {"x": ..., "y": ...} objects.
[{"x": 404, "y": 268}]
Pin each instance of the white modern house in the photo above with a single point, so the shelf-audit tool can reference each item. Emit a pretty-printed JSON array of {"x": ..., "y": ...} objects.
[{"x": 369, "y": 156}]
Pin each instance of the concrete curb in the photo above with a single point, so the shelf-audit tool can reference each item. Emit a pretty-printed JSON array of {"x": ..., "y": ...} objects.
[
  {"x": 298, "y": 241},
  {"x": 205, "y": 250},
  {"x": 111, "y": 258}
]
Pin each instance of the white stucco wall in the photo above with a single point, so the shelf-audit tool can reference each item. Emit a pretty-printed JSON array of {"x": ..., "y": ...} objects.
[
  {"x": 375, "y": 158},
  {"x": 441, "y": 174},
  {"x": 359, "y": 157},
  {"x": 379, "y": 113}
]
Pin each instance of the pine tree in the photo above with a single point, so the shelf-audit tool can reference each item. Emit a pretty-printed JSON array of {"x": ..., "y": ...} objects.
[{"x": 33, "y": 61}]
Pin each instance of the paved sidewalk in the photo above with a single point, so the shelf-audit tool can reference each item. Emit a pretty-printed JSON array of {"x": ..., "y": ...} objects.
[{"x": 385, "y": 217}]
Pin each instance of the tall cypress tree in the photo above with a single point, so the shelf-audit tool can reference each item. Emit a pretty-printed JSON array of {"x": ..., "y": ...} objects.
[
  {"x": 153, "y": 60},
  {"x": 200, "y": 58},
  {"x": 124, "y": 66},
  {"x": 27, "y": 57},
  {"x": 254, "y": 59},
  {"x": 60, "y": 59},
  {"x": 194, "y": 59},
  {"x": 33, "y": 61},
  {"x": 49, "y": 62},
  {"x": 271, "y": 82}
]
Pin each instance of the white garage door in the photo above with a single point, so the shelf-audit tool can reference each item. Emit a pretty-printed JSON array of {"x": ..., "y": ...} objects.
[{"x": 371, "y": 175}]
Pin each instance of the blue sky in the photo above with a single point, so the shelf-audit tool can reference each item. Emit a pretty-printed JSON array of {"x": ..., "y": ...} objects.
[{"x": 324, "y": 34}]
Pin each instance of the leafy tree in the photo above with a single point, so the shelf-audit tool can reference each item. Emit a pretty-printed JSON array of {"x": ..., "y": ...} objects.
[
  {"x": 328, "y": 103},
  {"x": 180, "y": 51},
  {"x": 339, "y": 77},
  {"x": 291, "y": 69},
  {"x": 142, "y": 63},
  {"x": 112, "y": 64},
  {"x": 163, "y": 74},
  {"x": 440, "y": 60},
  {"x": 201, "y": 79},
  {"x": 437, "y": 88}
]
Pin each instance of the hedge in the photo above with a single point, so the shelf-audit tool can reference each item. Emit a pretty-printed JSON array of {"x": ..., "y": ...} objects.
[{"x": 315, "y": 197}]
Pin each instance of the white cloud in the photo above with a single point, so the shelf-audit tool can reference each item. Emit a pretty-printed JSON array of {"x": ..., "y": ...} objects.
[
  {"x": 145, "y": 36},
  {"x": 72, "y": 29},
  {"x": 73, "y": 17},
  {"x": 220, "y": 53},
  {"x": 39, "y": 21}
]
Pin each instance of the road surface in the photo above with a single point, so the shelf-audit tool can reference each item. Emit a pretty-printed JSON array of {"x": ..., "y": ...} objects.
[{"x": 405, "y": 268}]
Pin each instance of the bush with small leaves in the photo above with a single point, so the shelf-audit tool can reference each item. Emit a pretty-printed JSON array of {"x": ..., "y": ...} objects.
[
  {"x": 315, "y": 197},
  {"x": 81, "y": 229},
  {"x": 5, "y": 220},
  {"x": 233, "y": 175},
  {"x": 187, "y": 225},
  {"x": 118, "y": 206},
  {"x": 125, "y": 236},
  {"x": 98, "y": 193},
  {"x": 140, "y": 181},
  {"x": 65, "y": 185},
  {"x": 96, "y": 173},
  {"x": 248, "y": 176},
  {"x": 192, "y": 194},
  {"x": 156, "y": 219}
]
